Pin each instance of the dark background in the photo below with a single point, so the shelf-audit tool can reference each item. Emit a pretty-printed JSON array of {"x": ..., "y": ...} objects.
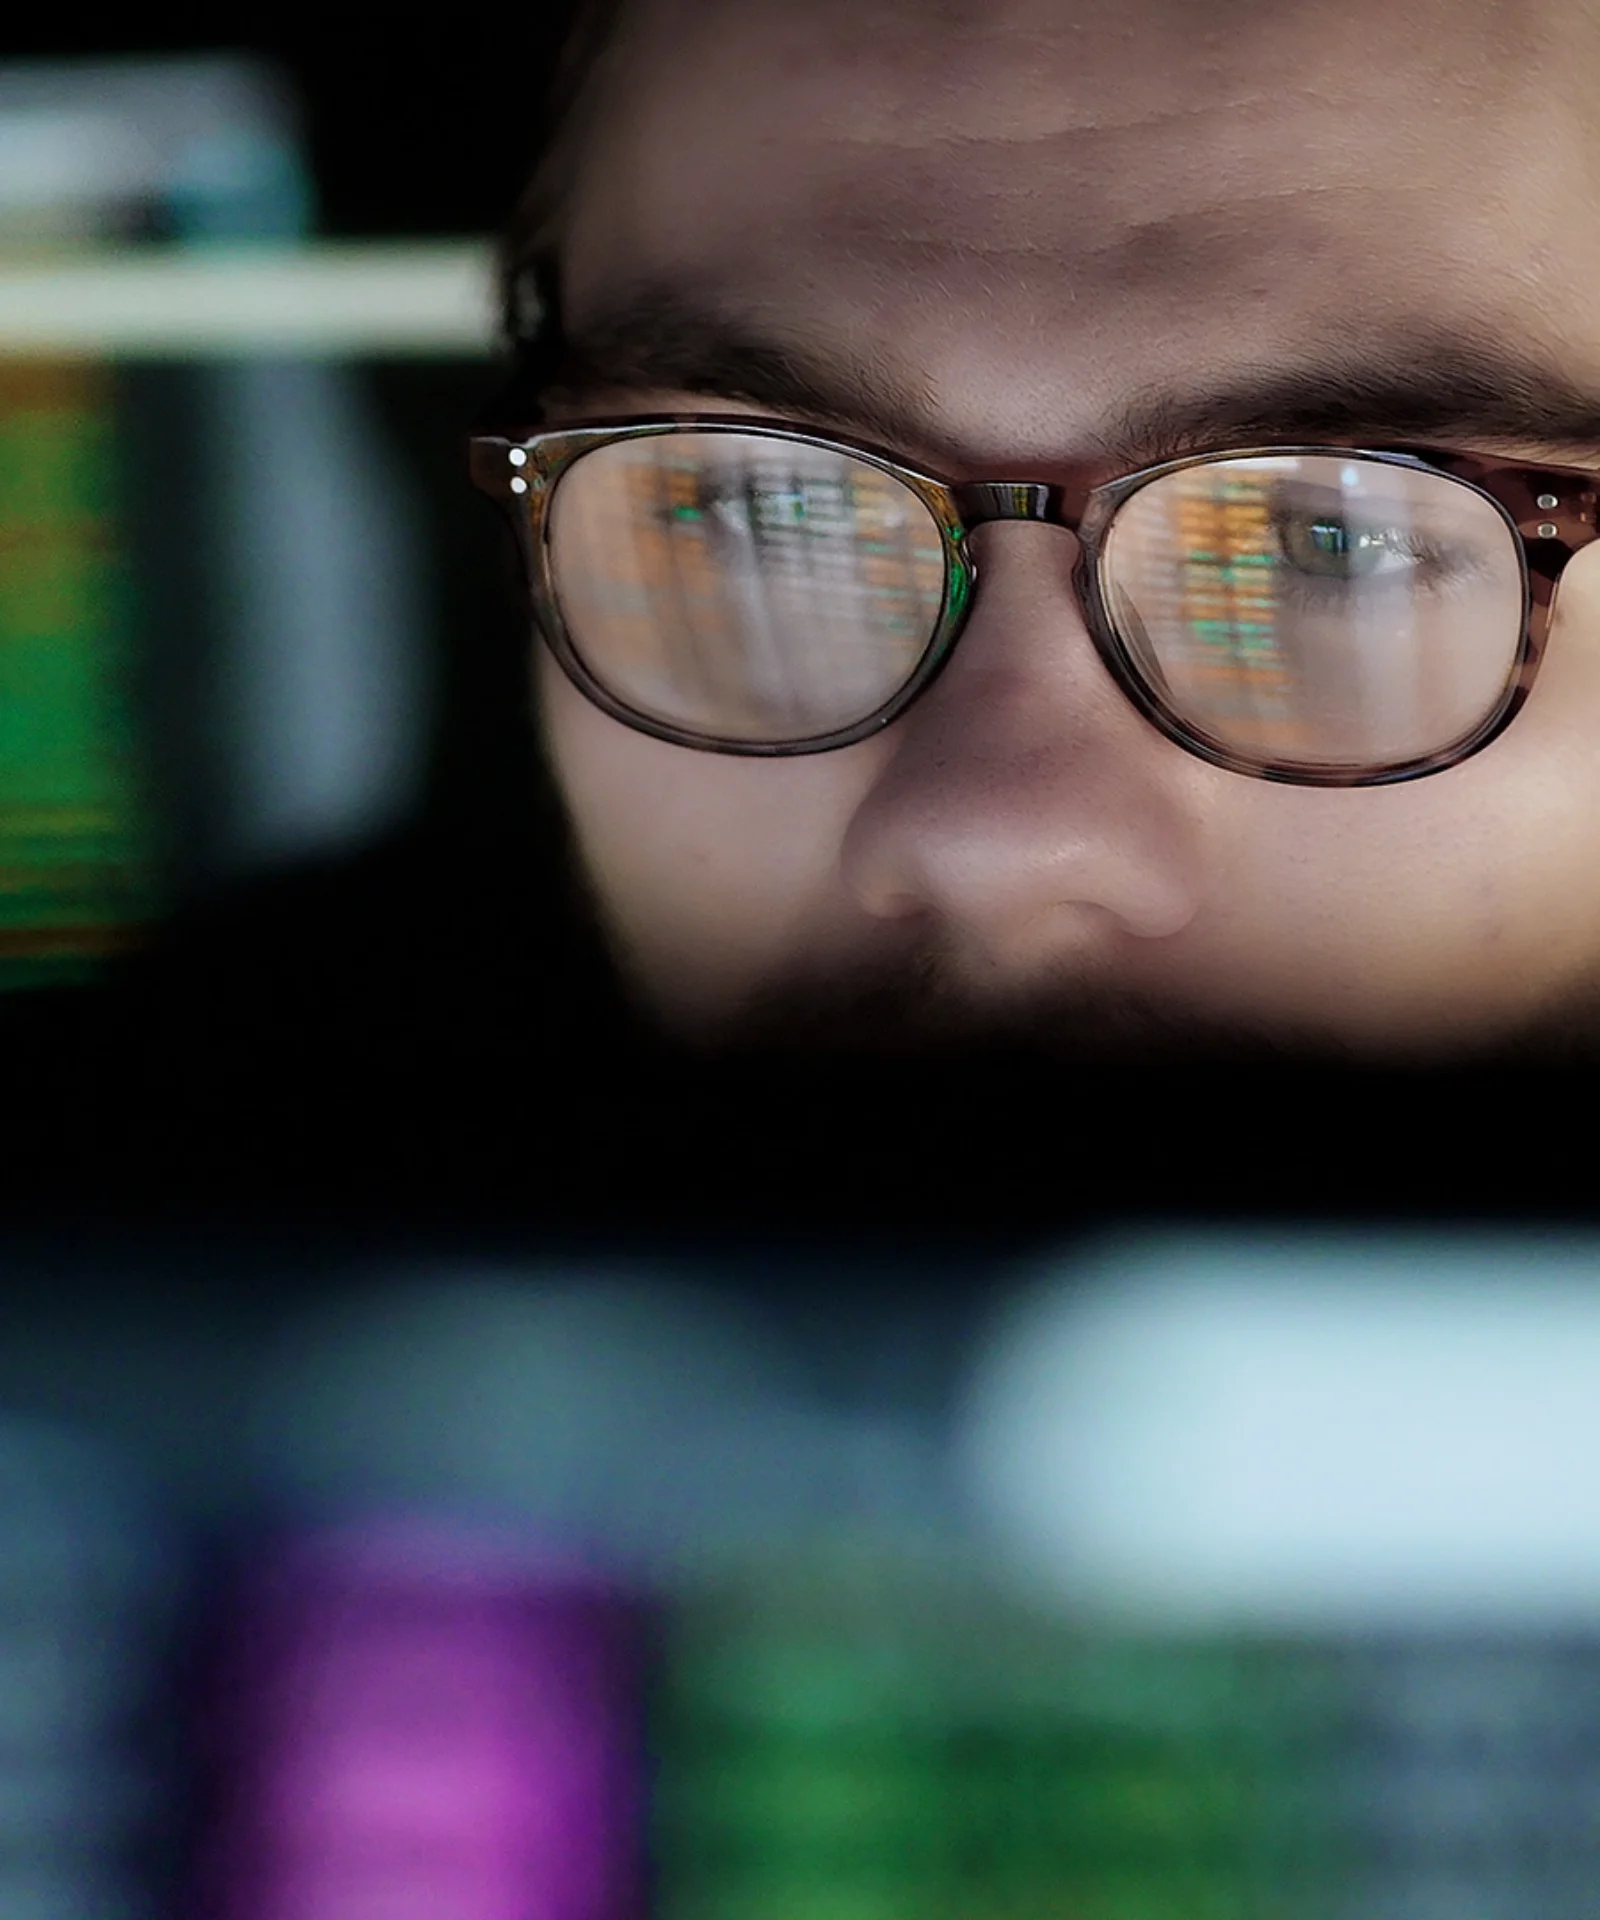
[
  {"x": 353, "y": 1035},
  {"x": 416, "y": 125}
]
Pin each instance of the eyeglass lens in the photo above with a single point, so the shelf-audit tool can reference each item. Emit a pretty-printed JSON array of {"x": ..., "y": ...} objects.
[
  {"x": 743, "y": 587},
  {"x": 1314, "y": 610}
]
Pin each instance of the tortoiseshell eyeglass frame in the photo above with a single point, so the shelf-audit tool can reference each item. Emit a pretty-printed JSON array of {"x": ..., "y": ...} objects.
[{"x": 1550, "y": 512}]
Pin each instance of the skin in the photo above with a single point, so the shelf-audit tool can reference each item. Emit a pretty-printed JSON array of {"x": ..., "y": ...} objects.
[{"x": 1020, "y": 216}]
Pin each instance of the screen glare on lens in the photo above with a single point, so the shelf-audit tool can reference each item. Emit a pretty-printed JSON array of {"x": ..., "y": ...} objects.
[
  {"x": 1317, "y": 611},
  {"x": 742, "y": 586}
]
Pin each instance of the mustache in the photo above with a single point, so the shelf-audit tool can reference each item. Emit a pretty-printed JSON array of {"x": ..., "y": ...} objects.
[{"x": 920, "y": 1007}]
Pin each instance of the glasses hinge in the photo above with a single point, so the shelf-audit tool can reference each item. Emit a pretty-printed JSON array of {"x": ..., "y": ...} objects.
[{"x": 1557, "y": 517}]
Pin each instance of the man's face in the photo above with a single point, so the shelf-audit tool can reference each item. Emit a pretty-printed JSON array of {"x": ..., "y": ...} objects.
[{"x": 1010, "y": 222}]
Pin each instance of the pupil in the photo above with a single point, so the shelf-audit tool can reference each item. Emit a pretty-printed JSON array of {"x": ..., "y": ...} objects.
[{"x": 1333, "y": 548}]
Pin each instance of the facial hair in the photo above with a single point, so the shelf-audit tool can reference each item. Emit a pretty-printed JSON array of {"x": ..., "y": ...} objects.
[{"x": 897, "y": 1097}]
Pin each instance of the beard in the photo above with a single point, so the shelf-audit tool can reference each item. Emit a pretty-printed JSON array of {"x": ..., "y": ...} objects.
[
  {"x": 920, "y": 1005},
  {"x": 916, "y": 1004},
  {"x": 898, "y": 1099},
  {"x": 898, "y": 1103}
]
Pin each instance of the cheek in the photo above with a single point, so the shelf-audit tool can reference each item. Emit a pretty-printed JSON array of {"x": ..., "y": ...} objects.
[
  {"x": 1483, "y": 879},
  {"x": 716, "y": 860},
  {"x": 1529, "y": 806}
]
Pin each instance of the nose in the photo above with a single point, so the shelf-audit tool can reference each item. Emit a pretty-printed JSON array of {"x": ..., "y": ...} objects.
[{"x": 1028, "y": 810}]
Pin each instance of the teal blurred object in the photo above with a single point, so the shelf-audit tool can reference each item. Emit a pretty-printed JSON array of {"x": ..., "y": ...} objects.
[{"x": 89, "y": 1589}]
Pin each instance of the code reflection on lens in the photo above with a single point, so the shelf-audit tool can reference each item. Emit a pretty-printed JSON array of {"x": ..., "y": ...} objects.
[
  {"x": 745, "y": 587},
  {"x": 1318, "y": 610}
]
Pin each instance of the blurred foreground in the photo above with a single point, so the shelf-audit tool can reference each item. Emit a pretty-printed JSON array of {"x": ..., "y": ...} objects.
[{"x": 1157, "y": 1579}]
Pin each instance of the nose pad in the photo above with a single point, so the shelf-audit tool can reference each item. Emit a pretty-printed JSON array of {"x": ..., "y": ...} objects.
[{"x": 1028, "y": 804}]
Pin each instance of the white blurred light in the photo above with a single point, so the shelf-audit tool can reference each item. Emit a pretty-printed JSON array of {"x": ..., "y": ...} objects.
[
  {"x": 1302, "y": 1431},
  {"x": 51, "y": 155},
  {"x": 322, "y": 689},
  {"x": 316, "y": 301}
]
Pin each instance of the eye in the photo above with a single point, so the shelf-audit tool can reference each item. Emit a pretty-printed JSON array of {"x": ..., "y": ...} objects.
[{"x": 1332, "y": 548}]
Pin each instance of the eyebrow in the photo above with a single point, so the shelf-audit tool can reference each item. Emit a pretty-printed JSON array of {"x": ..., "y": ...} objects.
[{"x": 1416, "y": 386}]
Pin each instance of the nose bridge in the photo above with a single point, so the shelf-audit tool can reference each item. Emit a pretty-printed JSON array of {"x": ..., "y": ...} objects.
[
  {"x": 987, "y": 503},
  {"x": 1025, "y": 799}
]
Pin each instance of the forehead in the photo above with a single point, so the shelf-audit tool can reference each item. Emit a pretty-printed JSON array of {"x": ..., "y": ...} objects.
[{"x": 992, "y": 198}]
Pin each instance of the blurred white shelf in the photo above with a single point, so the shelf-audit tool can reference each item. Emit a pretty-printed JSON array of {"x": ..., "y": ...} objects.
[{"x": 317, "y": 300}]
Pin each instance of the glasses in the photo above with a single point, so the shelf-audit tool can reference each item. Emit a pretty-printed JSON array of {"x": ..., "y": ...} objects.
[{"x": 1307, "y": 614}]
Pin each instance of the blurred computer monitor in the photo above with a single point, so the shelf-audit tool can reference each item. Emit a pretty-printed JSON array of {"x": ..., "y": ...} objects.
[{"x": 214, "y": 603}]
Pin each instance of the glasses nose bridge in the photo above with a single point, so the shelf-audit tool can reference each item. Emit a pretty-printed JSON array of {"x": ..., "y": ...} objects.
[{"x": 981, "y": 502}]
